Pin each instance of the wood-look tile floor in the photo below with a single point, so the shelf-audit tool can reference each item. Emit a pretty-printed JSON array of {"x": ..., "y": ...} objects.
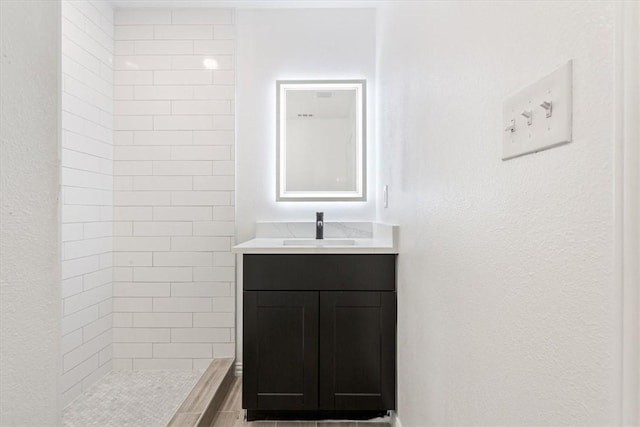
[{"x": 230, "y": 415}]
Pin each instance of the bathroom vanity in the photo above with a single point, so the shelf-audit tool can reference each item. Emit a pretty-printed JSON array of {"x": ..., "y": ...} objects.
[{"x": 319, "y": 325}]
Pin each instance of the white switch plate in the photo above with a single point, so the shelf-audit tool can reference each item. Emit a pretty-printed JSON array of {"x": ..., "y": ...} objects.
[
  {"x": 385, "y": 196},
  {"x": 543, "y": 132}
]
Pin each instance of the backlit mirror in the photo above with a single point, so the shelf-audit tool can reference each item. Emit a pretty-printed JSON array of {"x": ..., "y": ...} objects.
[{"x": 321, "y": 140}]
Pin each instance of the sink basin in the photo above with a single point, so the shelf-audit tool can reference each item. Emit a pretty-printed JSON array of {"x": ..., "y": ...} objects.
[{"x": 318, "y": 242}]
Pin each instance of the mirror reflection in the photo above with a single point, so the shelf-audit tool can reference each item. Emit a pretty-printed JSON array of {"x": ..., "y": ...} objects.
[{"x": 321, "y": 140}]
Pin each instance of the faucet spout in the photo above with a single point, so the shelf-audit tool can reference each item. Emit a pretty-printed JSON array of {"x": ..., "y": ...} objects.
[{"x": 319, "y": 225}]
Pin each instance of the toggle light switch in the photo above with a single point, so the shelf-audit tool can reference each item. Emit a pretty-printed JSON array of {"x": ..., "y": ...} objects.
[
  {"x": 528, "y": 115},
  {"x": 511, "y": 127},
  {"x": 548, "y": 107}
]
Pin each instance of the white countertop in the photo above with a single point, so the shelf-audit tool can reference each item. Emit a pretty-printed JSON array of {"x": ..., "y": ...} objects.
[
  {"x": 277, "y": 246},
  {"x": 382, "y": 240}
]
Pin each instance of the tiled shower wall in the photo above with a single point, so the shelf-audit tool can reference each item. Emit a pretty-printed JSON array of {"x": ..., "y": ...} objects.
[
  {"x": 87, "y": 192},
  {"x": 174, "y": 273}
]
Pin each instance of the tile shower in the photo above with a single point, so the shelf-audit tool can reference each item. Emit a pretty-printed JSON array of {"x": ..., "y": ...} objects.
[
  {"x": 174, "y": 274},
  {"x": 148, "y": 192},
  {"x": 87, "y": 194}
]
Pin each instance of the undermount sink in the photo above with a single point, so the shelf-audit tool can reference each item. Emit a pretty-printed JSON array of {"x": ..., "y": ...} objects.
[{"x": 318, "y": 242}]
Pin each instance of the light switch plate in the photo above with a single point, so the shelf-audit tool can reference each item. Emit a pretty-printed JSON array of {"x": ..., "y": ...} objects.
[
  {"x": 385, "y": 196},
  {"x": 525, "y": 135}
]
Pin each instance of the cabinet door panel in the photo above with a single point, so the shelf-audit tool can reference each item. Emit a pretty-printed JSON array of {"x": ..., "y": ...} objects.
[
  {"x": 357, "y": 350},
  {"x": 280, "y": 363}
]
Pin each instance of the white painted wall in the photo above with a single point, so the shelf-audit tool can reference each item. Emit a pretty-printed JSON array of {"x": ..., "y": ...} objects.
[
  {"x": 30, "y": 315},
  {"x": 508, "y": 310},
  {"x": 174, "y": 275},
  {"x": 294, "y": 44},
  {"x": 627, "y": 199},
  {"x": 87, "y": 190}
]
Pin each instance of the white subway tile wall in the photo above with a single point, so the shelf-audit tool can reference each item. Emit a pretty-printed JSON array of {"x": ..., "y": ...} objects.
[
  {"x": 87, "y": 191},
  {"x": 174, "y": 273}
]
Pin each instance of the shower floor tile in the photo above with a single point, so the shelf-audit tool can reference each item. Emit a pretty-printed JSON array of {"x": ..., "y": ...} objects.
[{"x": 131, "y": 398}]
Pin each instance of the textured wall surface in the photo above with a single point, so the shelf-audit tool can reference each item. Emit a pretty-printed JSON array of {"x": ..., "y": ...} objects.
[
  {"x": 508, "y": 312},
  {"x": 30, "y": 315},
  {"x": 174, "y": 272},
  {"x": 87, "y": 191}
]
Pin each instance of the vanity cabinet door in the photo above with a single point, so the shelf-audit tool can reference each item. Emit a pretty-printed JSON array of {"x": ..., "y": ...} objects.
[
  {"x": 357, "y": 350},
  {"x": 280, "y": 338}
]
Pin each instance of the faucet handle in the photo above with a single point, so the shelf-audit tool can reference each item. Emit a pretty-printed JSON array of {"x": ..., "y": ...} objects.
[{"x": 319, "y": 225}]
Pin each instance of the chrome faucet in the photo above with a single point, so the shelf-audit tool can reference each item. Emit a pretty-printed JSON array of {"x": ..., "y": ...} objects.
[{"x": 319, "y": 225}]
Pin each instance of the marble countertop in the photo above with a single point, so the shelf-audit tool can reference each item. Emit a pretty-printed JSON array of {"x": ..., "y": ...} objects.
[{"x": 340, "y": 238}]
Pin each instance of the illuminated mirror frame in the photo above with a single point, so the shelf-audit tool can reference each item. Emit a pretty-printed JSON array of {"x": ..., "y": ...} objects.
[{"x": 282, "y": 86}]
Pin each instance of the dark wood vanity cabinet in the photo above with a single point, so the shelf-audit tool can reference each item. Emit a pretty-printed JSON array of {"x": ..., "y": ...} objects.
[{"x": 326, "y": 347}]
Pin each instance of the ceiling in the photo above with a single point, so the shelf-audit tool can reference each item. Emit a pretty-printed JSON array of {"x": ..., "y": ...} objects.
[{"x": 247, "y": 4}]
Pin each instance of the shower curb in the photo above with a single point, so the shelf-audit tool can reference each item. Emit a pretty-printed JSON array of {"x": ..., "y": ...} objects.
[{"x": 201, "y": 405}]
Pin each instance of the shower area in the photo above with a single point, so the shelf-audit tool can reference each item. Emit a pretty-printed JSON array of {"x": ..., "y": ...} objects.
[{"x": 147, "y": 209}]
